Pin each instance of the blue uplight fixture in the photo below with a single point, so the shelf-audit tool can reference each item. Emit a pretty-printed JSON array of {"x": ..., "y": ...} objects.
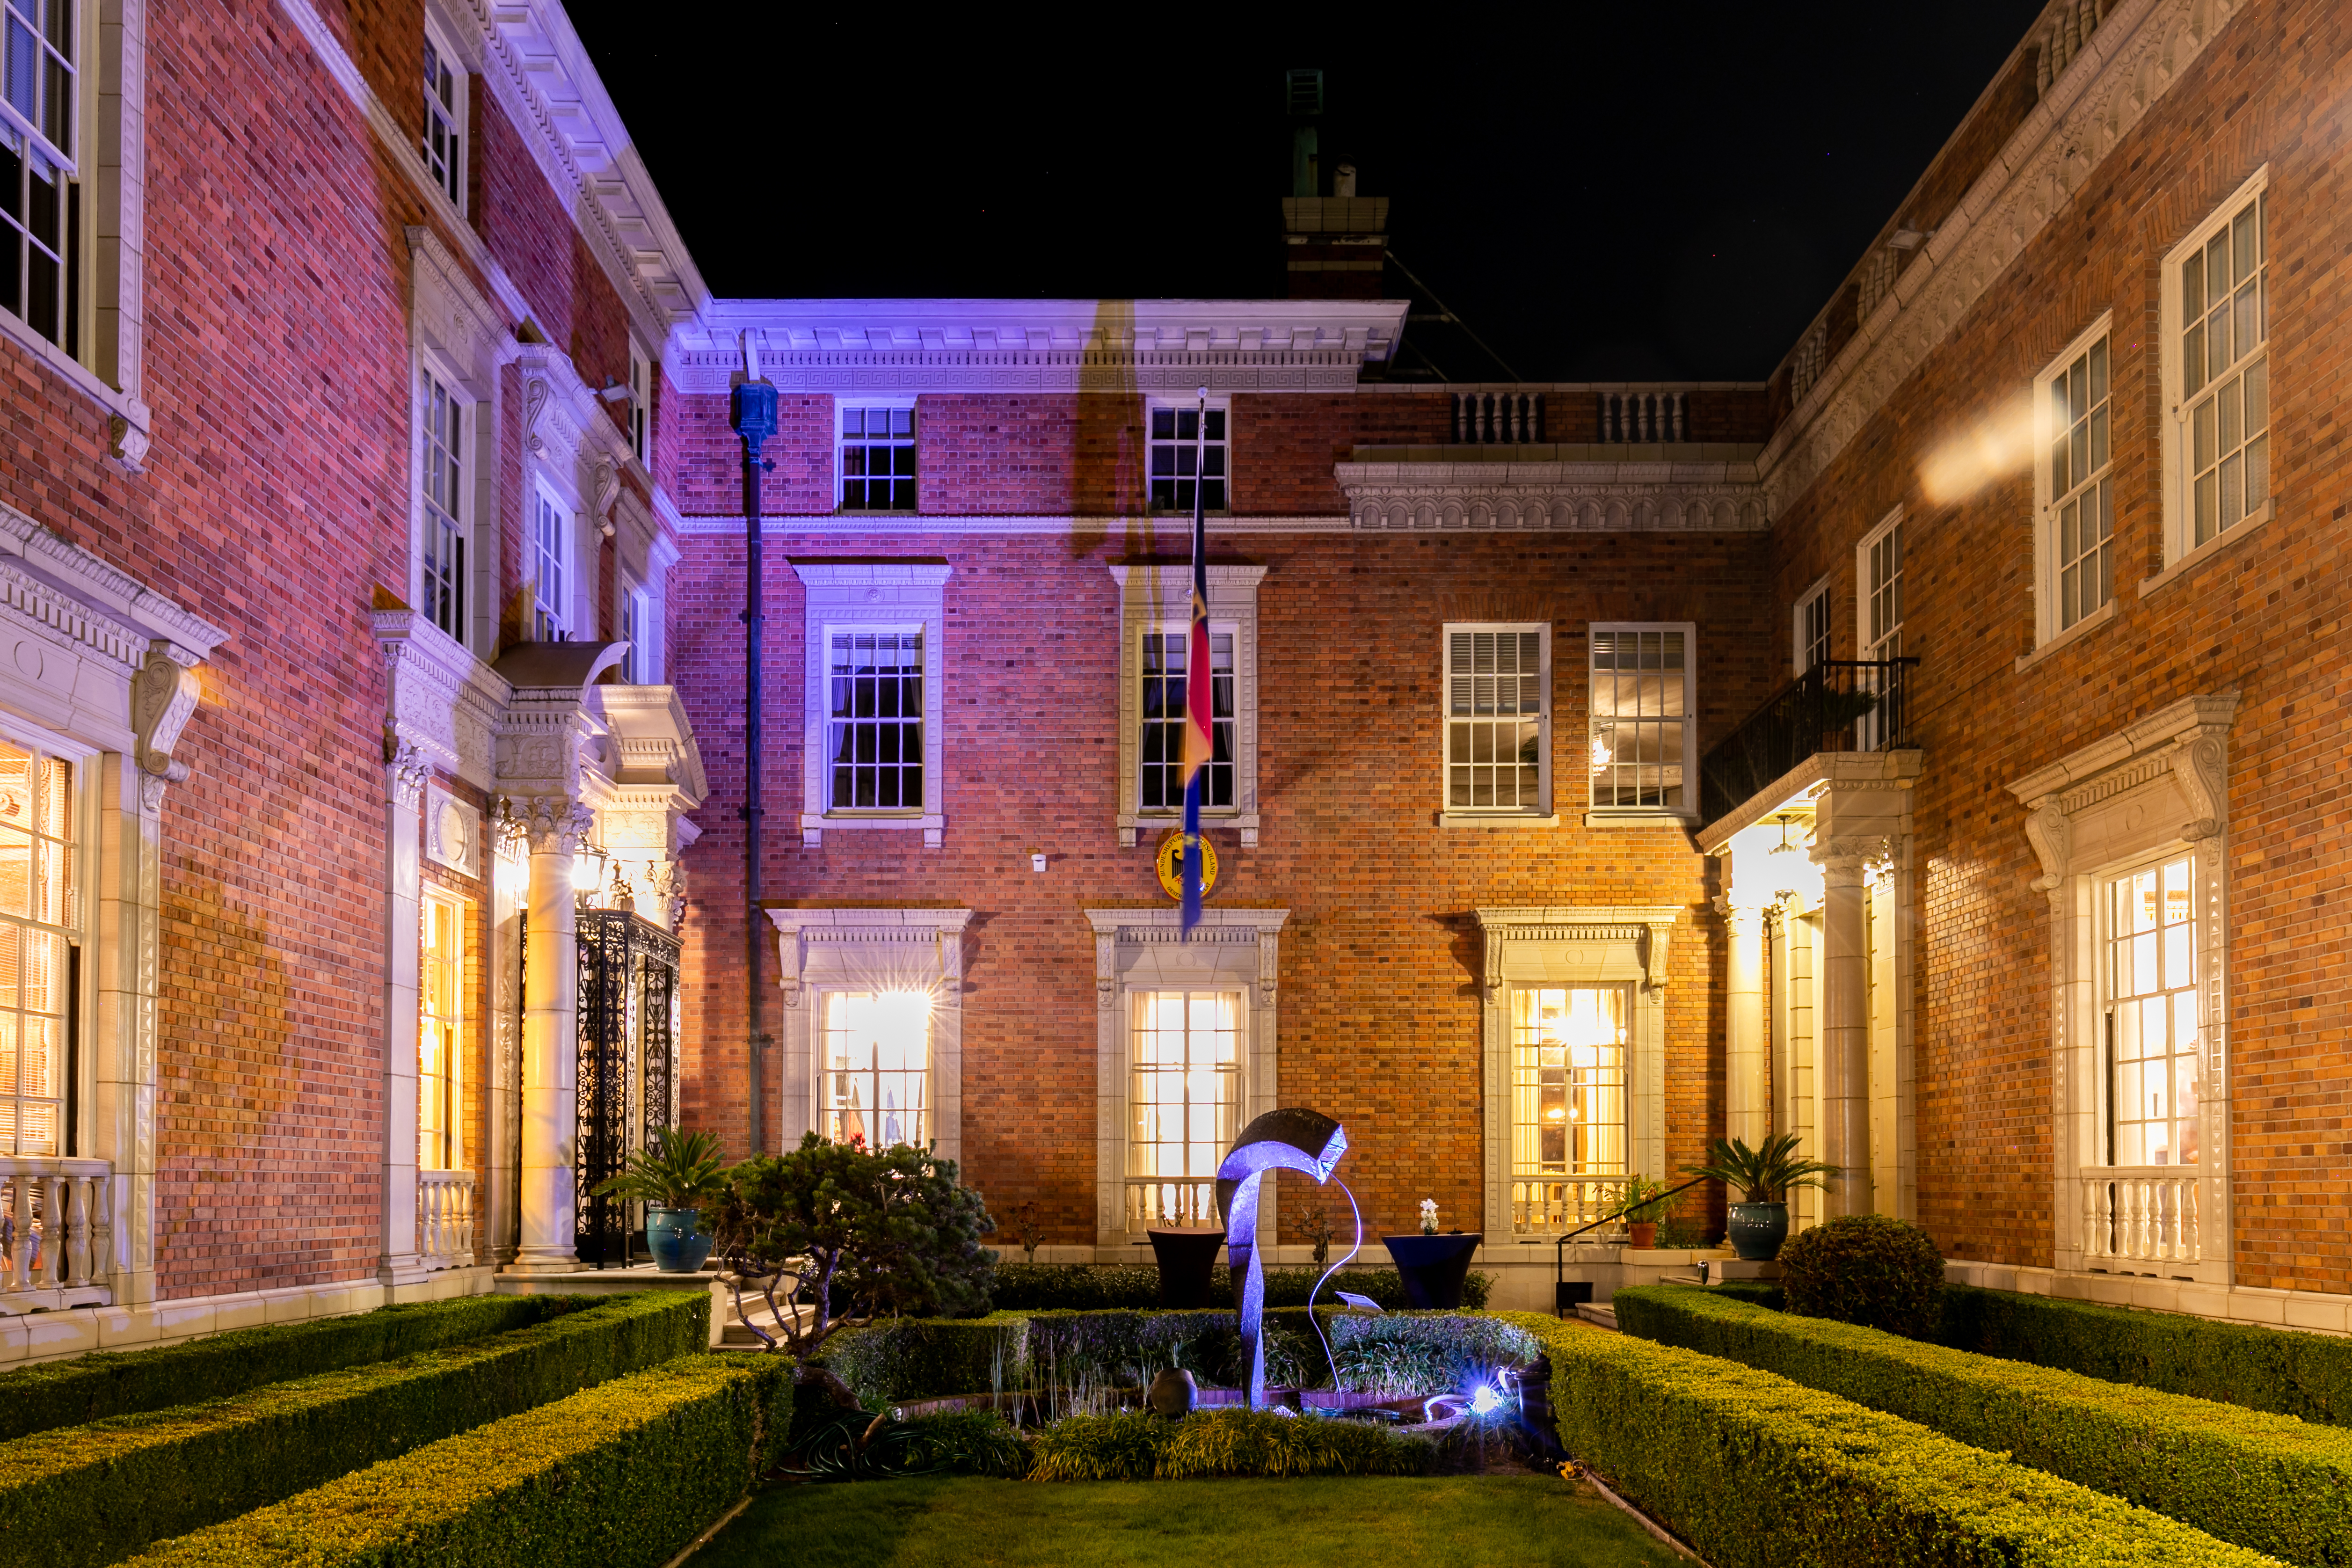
[{"x": 1289, "y": 1139}]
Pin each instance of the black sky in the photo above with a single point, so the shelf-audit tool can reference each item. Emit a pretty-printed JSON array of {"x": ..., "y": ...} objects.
[{"x": 1600, "y": 192}]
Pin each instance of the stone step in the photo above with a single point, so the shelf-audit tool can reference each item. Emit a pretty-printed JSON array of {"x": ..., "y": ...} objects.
[
  {"x": 1680, "y": 1279},
  {"x": 1599, "y": 1312}
]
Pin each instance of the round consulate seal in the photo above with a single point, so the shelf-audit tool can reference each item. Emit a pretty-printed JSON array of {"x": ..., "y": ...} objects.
[{"x": 1171, "y": 861}]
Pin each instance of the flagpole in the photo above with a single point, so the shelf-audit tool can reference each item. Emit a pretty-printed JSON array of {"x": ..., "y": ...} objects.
[{"x": 1199, "y": 707}]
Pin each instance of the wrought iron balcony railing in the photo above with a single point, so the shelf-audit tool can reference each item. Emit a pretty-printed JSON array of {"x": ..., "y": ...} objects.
[{"x": 1838, "y": 705}]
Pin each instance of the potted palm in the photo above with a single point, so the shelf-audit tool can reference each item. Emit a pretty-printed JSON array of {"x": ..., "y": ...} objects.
[
  {"x": 1645, "y": 1203},
  {"x": 671, "y": 1178},
  {"x": 1758, "y": 1225}
]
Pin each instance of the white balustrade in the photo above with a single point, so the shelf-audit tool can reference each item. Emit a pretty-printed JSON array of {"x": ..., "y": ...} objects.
[
  {"x": 2142, "y": 1214},
  {"x": 1169, "y": 1203},
  {"x": 1550, "y": 1205},
  {"x": 1497, "y": 418},
  {"x": 445, "y": 1218},
  {"x": 56, "y": 1233},
  {"x": 1646, "y": 417}
]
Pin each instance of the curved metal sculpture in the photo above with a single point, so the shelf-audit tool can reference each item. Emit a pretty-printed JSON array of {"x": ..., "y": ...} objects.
[{"x": 1293, "y": 1139}]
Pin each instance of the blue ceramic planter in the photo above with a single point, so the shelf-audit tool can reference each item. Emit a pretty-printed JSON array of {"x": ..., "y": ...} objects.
[
  {"x": 677, "y": 1246},
  {"x": 1756, "y": 1230},
  {"x": 1431, "y": 1268}
]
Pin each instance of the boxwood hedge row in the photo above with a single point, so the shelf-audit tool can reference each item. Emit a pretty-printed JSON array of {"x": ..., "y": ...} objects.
[
  {"x": 94, "y": 1493},
  {"x": 1755, "y": 1471},
  {"x": 624, "y": 1475},
  {"x": 123, "y": 1383},
  {"x": 2273, "y": 1483}
]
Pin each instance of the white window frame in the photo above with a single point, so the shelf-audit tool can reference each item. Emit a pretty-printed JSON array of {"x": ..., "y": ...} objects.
[
  {"x": 465, "y": 427},
  {"x": 1182, "y": 1198},
  {"x": 1217, "y": 405},
  {"x": 2180, "y": 545},
  {"x": 824, "y": 950},
  {"x": 73, "y": 1078},
  {"x": 38, "y": 150},
  {"x": 552, "y": 517},
  {"x": 1809, "y": 627},
  {"x": 1157, "y": 596},
  {"x": 454, "y": 1077},
  {"x": 1542, "y": 812},
  {"x": 2047, "y": 568},
  {"x": 872, "y": 595},
  {"x": 866, "y": 627},
  {"x": 457, "y": 338},
  {"x": 1872, "y": 642},
  {"x": 2103, "y": 990},
  {"x": 841, "y": 407},
  {"x": 451, "y": 181},
  {"x": 1595, "y": 814},
  {"x": 635, "y": 625},
  {"x": 1140, "y": 949},
  {"x": 641, "y": 406}
]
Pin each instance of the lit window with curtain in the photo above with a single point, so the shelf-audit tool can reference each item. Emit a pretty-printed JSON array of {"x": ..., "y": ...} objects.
[
  {"x": 1183, "y": 1101},
  {"x": 1568, "y": 1081},
  {"x": 38, "y": 923},
  {"x": 441, "y": 995},
  {"x": 878, "y": 1063},
  {"x": 2154, "y": 1068}
]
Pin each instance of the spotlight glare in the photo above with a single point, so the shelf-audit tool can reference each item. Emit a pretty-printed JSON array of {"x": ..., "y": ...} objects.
[{"x": 1487, "y": 1401}]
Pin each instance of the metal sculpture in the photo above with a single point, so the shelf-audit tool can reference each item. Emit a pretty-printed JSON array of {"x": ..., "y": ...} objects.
[{"x": 1289, "y": 1139}]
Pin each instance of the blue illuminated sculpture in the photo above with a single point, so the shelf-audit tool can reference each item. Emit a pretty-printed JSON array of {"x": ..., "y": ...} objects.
[{"x": 1287, "y": 1139}]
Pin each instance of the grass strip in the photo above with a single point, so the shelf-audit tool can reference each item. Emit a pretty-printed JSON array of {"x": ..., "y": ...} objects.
[
  {"x": 95, "y": 1493},
  {"x": 2273, "y": 1483},
  {"x": 1756, "y": 1471},
  {"x": 123, "y": 1383},
  {"x": 624, "y": 1475}
]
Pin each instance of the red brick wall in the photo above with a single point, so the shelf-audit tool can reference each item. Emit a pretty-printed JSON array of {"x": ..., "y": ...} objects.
[
  {"x": 1379, "y": 1007},
  {"x": 1285, "y": 443},
  {"x": 703, "y": 461},
  {"x": 2263, "y": 617}
]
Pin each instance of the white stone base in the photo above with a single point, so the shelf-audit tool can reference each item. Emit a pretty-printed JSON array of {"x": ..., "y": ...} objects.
[
  {"x": 1523, "y": 1272},
  {"x": 2316, "y": 1310},
  {"x": 54, "y": 1336}
]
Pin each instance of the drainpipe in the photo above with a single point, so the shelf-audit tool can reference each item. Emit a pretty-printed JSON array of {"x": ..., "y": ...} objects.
[{"x": 753, "y": 414}]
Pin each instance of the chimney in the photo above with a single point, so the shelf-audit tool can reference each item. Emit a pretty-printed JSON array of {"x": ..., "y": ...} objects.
[{"x": 1335, "y": 245}]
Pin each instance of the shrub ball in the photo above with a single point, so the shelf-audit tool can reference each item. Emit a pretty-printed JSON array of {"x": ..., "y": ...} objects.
[{"x": 1866, "y": 1268}]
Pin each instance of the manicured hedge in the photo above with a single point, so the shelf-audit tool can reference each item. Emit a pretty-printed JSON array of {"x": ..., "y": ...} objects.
[
  {"x": 1755, "y": 1471},
  {"x": 1757, "y": 1292},
  {"x": 2273, "y": 1483},
  {"x": 1140, "y": 1447},
  {"x": 622, "y": 1475},
  {"x": 2276, "y": 1370},
  {"x": 93, "y": 1493},
  {"x": 123, "y": 1383}
]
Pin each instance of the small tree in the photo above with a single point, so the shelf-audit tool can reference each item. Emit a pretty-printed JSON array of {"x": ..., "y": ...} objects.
[{"x": 859, "y": 1232}]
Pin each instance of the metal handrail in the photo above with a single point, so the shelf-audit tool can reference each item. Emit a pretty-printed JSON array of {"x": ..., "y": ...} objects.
[{"x": 1560, "y": 1248}]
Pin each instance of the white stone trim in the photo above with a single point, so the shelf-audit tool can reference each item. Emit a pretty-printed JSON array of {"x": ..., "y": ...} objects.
[
  {"x": 873, "y": 594},
  {"x": 1154, "y": 595},
  {"x": 2046, "y": 629},
  {"x": 843, "y": 949},
  {"x": 1144, "y": 531},
  {"x": 1233, "y": 949},
  {"x": 2172, "y": 421},
  {"x": 1582, "y": 497},
  {"x": 441, "y": 699},
  {"x": 2318, "y": 1311},
  {"x": 1587, "y": 945}
]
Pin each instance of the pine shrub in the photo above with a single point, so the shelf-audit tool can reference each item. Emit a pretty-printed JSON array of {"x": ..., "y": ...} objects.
[{"x": 1866, "y": 1268}]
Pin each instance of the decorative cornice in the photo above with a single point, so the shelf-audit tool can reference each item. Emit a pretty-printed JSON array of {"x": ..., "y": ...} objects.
[
  {"x": 119, "y": 616},
  {"x": 2138, "y": 51},
  {"x": 819, "y": 574},
  {"x": 1647, "y": 926},
  {"x": 452, "y": 313},
  {"x": 2088, "y": 765},
  {"x": 1722, "y": 498},
  {"x": 1141, "y": 531}
]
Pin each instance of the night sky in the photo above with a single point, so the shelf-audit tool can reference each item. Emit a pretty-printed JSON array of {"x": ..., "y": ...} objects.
[{"x": 1645, "y": 192}]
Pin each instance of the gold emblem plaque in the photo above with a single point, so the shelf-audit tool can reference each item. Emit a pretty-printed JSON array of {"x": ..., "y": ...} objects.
[{"x": 1171, "y": 861}]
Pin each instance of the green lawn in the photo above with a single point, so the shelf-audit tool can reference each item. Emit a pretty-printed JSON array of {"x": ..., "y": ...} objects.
[{"x": 1528, "y": 1521}]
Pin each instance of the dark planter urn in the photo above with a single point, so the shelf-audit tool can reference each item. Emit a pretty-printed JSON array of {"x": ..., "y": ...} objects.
[
  {"x": 1431, "y": 1268},
  {"x": 1756, "y": 1230},
  {"x": 1187, "y": 1256},
  {"x": 673, "y": 1237}
]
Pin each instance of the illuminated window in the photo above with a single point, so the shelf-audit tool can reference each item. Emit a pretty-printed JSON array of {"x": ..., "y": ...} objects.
[
  {"x": 2155, "y": 1069},
  {"x": 1185, "y": 453},
  {"x": 1879, "y": 612},
  {"x": 878, "y": 458},
  {"x": 1568, "y": 1081},
  {"x": 441, "y": 991},
  {"x": 1812, "y": 627},
  {"x": 1162, "y": 738},
  {"x": 40, "y": 199},
  {"x": 877, "y": 1055},
  {"x": 2225, "y": 323},
  {"x": 550, "y": 529},
  {"x": 443, "y": 418},
  {"x": 2078, "y": 494},
  {"x": 1638, "y": 711},
  {"x": 445, "y": 110},
  {"x": 1498, "y": 684},
  {"x": 38, "y": 923},
  {"x": 1187, "y": 1084}
]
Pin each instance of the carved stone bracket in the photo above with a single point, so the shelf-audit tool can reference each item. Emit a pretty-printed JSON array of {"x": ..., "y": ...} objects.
[
  {"x": 535, "y": 394},
  {"x": 1106, "y": 969},
  {"x": 405, "y": 772},
  {"x": 2052, "y": 835},
  {"x": 162, "y": 700},
  {"x": 2200, "y": 768}
]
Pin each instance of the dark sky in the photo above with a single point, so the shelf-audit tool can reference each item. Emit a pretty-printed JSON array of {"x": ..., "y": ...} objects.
[{"x": 1630, "y": 192}]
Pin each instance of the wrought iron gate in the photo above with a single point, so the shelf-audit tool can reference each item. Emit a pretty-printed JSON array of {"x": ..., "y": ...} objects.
[{"x": 627, "y": 1069}]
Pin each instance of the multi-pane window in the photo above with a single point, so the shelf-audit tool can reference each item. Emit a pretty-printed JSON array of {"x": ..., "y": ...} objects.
[
  {"x": 1813, "y": 628},
  {"x": 444, "y": 84},
  {"x": 1162, "y": 766},
  {"x": 1640, "y": 709},
  {"x": 1881, "y": 600},
  {"x": 1497, "y": 719},
  {"x": 2224, "y": 372},
  {"x": 878, "y": 1062},
  {"x": 40, "y": 202},
  {"x": 1186, "y": 1093},
  {"x": 877, "y": 459},
  {"x": 38, "y": 919},
  {"x": 443, "y": 418},
  {"x": 550, "y": 531},
  {"x": 874, "y": 721},
  {"x": 2082, "y": 491},
  {"x": 1186, "y": 454},
  {"x": 2154, "y": 1065},
  {"x": 637, "y": 631},
  {"x": 441, "y": 997},
  {"x": 1568, "y": 1080},
  {"x": 641, "y": 402}
]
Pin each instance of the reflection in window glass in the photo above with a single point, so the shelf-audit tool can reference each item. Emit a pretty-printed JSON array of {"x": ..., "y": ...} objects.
[
  {"x": 2225, "y": 372},
  {"x": 38, "y": 918},
  {"x": 1641, "y": 723},
  {"x": 2154, "y": 1063}
]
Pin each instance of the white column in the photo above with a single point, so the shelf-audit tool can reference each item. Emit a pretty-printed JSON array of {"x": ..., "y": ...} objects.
[
  {"x": 1747, "y": 1098},
  {"x": 551, "y": 1041},
  {"x": 505, "y": 860},
  {"x": 404, "y": 792},
  {"x": 1846, "y": 1035}
]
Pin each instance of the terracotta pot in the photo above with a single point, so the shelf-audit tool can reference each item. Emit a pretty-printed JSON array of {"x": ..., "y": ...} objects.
[{"x": 1645, "y": 1233}]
